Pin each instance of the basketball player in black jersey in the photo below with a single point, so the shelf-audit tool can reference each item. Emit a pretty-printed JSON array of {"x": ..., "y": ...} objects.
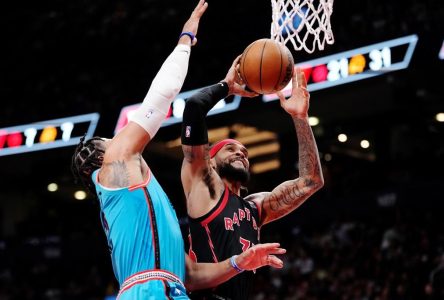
[{"x": 222, "y": 223}]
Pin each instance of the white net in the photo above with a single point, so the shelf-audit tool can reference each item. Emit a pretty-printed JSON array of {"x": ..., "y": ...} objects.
[{"x": 305, "y": 23}]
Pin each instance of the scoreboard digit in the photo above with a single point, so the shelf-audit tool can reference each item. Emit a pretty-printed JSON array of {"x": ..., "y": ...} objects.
[{"x": 47, "y": 134}]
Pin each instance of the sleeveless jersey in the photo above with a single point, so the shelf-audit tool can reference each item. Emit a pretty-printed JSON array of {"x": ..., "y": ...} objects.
[
  {"x": 228, "y": 229},
  {"x": 142, "y": 230}
]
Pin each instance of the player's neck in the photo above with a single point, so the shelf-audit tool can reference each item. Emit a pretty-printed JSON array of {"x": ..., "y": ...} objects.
[{"x": 233, "y": 186}]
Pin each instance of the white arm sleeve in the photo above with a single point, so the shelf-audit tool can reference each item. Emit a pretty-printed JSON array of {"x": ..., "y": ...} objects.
[{"x": 163, "y": 90}]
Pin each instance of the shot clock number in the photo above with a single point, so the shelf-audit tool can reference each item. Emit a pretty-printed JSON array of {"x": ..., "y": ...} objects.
[{"x": 342, "y": 68}]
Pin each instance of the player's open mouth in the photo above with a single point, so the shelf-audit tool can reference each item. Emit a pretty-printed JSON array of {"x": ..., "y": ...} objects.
[{"x": 238, "y": 161}]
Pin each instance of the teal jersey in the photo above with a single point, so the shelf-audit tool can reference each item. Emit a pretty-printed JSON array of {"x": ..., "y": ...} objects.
[{"x": 142, "y": 229}]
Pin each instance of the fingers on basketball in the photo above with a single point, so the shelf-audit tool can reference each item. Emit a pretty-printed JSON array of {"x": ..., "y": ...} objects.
[{"x": 237, "y": 60}]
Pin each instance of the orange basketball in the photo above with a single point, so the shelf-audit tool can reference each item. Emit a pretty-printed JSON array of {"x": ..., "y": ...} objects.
[{"x": 266, "y": 66}]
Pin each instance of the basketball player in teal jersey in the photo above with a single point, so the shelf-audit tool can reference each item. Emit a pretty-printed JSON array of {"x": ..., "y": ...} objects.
[
  {"x": 141, "y": 226},
  {"x": 222, "y": 223}
]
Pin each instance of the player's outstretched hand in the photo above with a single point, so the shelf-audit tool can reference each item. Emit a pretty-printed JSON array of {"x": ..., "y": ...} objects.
[
  {"x": 261, "y": 255},
  {"x": 192, "y": 24},
  {"x": 298, "y": 103},
  {"x": 235, "y": 83}
]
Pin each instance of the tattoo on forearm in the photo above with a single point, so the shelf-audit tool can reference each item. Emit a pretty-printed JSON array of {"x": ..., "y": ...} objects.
[
  {"x": 292, "y": 194},
  {"x": 188, "y": 153},
  {"x": 308, "y": 152},
  {"x": 118, "y": 175},
  {"x": 286, "y": 198}
]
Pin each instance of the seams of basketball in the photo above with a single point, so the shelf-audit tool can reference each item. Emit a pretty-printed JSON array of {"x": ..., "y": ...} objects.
[
  {"x": 260, "y": 71},
  {"x": 290, "y": 68},
  {"x": 277, "y": 84}
]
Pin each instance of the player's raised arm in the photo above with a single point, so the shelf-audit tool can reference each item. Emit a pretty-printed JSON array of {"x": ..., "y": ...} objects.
[
  {"x": 291, "y": 194},
  {"x": 147, "y": 119},
  {"x": 200, "y": 182}
]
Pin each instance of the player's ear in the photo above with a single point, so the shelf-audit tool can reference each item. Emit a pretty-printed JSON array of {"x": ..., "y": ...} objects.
[{"x": 213, "y": 163}]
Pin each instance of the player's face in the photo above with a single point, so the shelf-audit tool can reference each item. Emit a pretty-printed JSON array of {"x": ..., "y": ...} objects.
[{"x": 232, "y": 162}]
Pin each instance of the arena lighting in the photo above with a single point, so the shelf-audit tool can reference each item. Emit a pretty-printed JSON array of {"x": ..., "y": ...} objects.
[
  {"x": 365, "y": 144},
  {"x": 52, "y": 187},
  {"x": 313, "y": 121},
  {"x": 47, "y": 134},
  {"x": 265, "y": 166},
  {"x": 80, "y": 195},
  {"x": 342, "y": 137},
  {"x": 176, "y": 111},
  {"x": 257, "y": 137},
  {"x": 353, "y": 65},
  {"x": 263, "y": 149}
]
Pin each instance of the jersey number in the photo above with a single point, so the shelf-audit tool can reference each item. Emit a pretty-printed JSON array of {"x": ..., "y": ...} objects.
[{"x": 245, "y": 244}]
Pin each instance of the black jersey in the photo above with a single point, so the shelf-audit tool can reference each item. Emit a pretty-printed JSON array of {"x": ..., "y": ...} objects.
[{"x": 228, "y": 229}]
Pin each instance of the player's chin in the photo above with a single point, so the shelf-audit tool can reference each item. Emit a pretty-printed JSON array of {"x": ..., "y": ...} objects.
[
  {"x": 235, "y": 171},
  {"x": 239, "y": 167}
]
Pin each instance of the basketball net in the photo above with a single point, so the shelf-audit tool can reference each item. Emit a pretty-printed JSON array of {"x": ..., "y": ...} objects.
[{"x": 306, "y": 23}]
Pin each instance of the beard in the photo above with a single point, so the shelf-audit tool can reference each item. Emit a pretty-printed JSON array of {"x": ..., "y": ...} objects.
[{"x": 231, "y": 173}]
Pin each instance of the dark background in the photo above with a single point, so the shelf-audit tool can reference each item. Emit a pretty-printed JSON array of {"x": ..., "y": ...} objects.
[{"x": 375, "y": 231}]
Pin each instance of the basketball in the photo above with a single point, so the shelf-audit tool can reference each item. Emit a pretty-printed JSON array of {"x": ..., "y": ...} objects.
[{"x": 266, "y": 66}]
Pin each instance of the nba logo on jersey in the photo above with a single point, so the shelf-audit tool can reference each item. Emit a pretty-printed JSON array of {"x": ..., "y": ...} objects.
[
  {"x": 149, "y": 113},
  {"x": 188, "y": 131}
]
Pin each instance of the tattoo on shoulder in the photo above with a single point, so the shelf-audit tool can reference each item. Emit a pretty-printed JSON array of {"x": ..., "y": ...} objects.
[
  {"x": 209, "y": 182},
  {"x": 118, "y": 173}
]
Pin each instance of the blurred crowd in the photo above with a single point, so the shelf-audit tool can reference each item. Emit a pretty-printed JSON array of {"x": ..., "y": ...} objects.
[
  {"x": 396, "y": 253},
  {"x": 397, "y": 258}
]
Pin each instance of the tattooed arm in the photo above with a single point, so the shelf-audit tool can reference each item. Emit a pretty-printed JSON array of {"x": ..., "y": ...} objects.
[
  {"x": 123, "y": 164},
  {"x": 200, "y": 182},
  {"x": 291, "y": 194}
]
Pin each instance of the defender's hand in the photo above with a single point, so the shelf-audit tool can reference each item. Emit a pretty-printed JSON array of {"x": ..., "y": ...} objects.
[
  {"x": 193, "y": 22},
  {"x": 298, "y": 103}
]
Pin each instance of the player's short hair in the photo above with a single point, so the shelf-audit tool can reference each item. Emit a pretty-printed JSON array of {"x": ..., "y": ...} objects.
[{"x": 86, "y": 159}]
